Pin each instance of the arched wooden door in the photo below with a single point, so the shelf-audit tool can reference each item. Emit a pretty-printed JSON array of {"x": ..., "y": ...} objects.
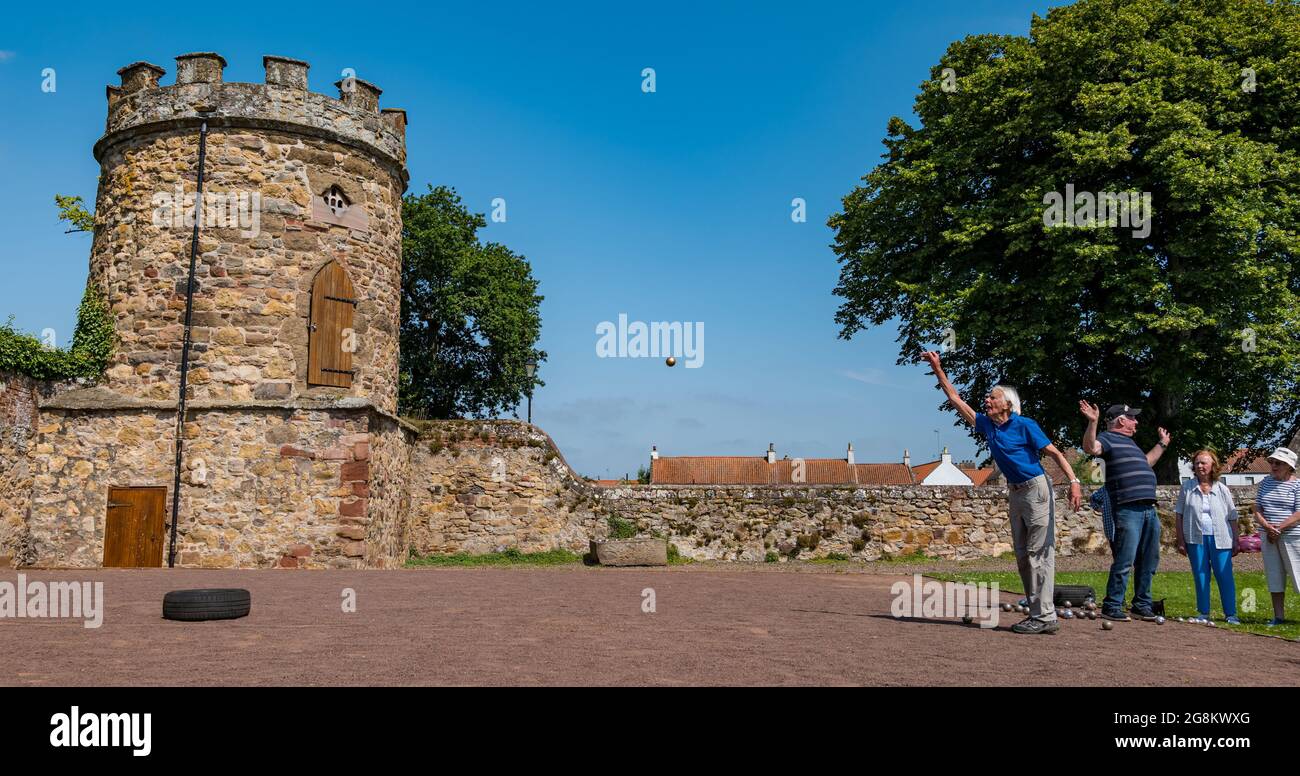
[{"x": 332, "y": 339}]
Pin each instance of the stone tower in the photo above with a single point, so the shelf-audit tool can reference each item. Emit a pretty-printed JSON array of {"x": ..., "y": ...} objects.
[
  {"x": 295, "y": 181},
  {"x": 293, "y": 453}
]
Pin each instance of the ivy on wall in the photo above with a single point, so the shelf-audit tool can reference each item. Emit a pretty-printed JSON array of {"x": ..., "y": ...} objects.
[{"x": 92, "y": 345}]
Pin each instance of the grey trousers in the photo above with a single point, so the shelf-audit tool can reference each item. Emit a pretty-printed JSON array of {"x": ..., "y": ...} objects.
[{"x": 1033, "y": 534}]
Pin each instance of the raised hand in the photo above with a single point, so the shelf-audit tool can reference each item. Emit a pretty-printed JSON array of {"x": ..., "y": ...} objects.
[
  {"x": 1090, "y": 411},
  {"x": 931, "y": 357},
  {"x": 1164, "y": 437}
]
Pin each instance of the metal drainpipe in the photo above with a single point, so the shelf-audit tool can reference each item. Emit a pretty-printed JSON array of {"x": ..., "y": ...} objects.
[{"x": 185, "y": 347}]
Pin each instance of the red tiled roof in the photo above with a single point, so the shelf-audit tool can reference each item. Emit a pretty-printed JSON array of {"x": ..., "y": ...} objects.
[
  {"x": 816, "y": 471},
  {"x": 978, "y": 476},
  {"x": 1257, "y": 466},
  {"x": 884, "y": 474},
  {"x": 710, "y": 470},
  {"x": 753, "y": 470},
  {"x": 921, "y": 471}
]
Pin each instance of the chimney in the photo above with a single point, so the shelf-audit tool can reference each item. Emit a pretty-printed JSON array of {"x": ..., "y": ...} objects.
[
  {"x": 907, "y": 459},
  {"x": 850, "y": 453},
  {"x": 945, "y": 457},
  {"x": 654, "y": 453},
  {"x": 771, "y": 452}
]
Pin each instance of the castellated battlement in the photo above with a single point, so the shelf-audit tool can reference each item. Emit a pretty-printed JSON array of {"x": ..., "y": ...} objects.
[{"x": 142, "y": 105}]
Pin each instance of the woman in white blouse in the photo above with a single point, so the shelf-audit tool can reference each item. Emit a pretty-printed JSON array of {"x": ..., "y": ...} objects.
[
  {"x": 1277, "y": 511},
  {"x": 1207, "y": 534}
]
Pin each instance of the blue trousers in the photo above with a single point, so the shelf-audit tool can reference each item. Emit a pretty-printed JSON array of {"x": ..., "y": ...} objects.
[
  {"x": 1136, "y": 549},
  {"x": 1206, "y": 558}
]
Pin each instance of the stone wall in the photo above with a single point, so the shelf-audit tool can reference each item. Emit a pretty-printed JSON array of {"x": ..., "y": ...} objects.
[
  {"x": 481, "y": 487},
  {"x": 488, "y": 486},
  {"x": 264, "y": 485},
  {"x": 388, "y": 532},
  {"x": 19, "y": 396}
]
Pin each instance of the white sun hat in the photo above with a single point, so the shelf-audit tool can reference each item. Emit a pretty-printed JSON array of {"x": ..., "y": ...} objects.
[{"x": 1284, "y": 455}]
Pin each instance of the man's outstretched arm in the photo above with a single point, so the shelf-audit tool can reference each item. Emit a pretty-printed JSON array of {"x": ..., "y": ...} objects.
[{"x": 963, "y": 409}]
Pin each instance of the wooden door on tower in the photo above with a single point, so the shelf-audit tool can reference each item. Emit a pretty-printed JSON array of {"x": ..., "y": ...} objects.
[{"x": 332, "y": 338}]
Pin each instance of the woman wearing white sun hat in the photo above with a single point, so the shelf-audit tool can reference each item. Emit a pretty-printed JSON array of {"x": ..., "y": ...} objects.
[{"x": 1277, "y": 511}]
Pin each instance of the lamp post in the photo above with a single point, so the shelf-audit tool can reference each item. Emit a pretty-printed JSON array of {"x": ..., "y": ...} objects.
[{"x": 531, "y": 369}]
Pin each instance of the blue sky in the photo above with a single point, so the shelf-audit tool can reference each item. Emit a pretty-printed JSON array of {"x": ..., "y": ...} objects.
[{"x": 671, "y": 206}]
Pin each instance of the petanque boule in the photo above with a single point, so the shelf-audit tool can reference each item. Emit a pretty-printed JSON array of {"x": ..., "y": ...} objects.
[
  {"x": 670, "y": 361},
  {"x": 1068, "y": 604},
  {"x": 1107, "y": 625},
  {"x": 1006, "y": 607},
  {"x": 1160, "y": 621},
  {"x": 968, "y": 619}
]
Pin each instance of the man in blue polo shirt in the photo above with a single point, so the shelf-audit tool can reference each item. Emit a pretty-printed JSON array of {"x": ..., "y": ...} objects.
[
  {"x": 1131, "y": 487},
  {"x": 1016, "y": 443}
]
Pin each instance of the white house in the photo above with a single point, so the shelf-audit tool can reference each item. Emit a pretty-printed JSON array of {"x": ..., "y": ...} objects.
[{"x": 941, "y": 472}]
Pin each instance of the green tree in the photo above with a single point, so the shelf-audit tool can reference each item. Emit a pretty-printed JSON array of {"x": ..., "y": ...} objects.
[
  {"x": 93, "y": 342},
  {"x": 73, "y": 210},
  {"x": 470, "y": 318},
  {"x": 93, "y": 339},
  {"x": 1198, "y": 323}
]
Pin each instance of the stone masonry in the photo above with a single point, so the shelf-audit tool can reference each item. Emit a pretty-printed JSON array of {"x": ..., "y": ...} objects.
[
  {"x": 286, "y": 145},
  {"x": 277, "y": 471},
  {"x": 492, "y": 485}
]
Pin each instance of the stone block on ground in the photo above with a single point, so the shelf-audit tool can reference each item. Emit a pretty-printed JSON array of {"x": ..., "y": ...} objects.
[{"x": 631, "y": 552}]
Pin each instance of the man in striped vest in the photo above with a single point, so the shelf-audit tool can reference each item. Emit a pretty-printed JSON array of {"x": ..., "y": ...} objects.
[{"x": 1131, "y": 486}]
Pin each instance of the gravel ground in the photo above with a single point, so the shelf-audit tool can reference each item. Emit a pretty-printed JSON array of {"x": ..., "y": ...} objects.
[{"x": 804, "y": 624}]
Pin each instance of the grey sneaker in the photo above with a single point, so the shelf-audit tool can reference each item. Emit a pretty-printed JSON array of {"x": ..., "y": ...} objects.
[
  {"x": 1116, "y": 617},
  {"x": 1030, "y": 625}
]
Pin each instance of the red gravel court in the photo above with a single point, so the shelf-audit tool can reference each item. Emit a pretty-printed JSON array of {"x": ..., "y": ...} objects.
[{"x": 585, "y": 626}]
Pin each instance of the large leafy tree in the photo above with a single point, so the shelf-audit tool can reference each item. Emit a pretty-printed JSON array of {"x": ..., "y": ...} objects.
[
  {"x": 1199, "y": 322},
  {"x": 470, "y": 316}
]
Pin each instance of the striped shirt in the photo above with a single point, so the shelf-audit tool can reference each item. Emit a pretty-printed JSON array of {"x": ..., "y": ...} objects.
[
  {"x": 1129, "y": 477},
  {"x": 1278, "y": 500}
]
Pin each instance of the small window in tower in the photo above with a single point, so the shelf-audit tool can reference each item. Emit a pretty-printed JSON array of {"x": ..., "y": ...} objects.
[{"x": 336, "y": 201}]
